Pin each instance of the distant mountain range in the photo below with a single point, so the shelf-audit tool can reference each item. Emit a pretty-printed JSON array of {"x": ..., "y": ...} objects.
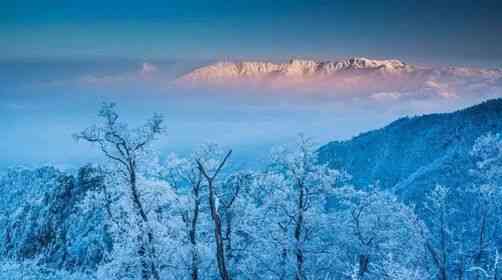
[
  {"x": 412, "y": 155},
  {"x": 295, "y": 68},
  {"x": 378, "y": 79}
]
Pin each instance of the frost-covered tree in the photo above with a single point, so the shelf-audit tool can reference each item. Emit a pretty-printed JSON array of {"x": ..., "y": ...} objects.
[
  {"x": 41, "y": 222},
  {"x": 161, "y": 204},
  {"x": 125, "y": 147},
  {"x": 185, "y": 177},
  {"x": 380, "y": 237},
  {"x": 392, "y": 268},
  {"x": 443, "y": 247},
  {"x": 269, "y": 256},
  {"x": 487, "y": 151},
  {"x": 232, "y": 208},
  {"x": 238, "y": 212},
  {"x": 463, "y": 222},
  {"x": 293, "y": 203},
  {"x": 29, "y": 270},
  {"x": 210, "y": 164},
  {"x": 485, "y": 208}
]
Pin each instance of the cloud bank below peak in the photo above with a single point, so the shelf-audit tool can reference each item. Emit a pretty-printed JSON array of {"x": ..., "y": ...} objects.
[{"x": 355, "y": 79}]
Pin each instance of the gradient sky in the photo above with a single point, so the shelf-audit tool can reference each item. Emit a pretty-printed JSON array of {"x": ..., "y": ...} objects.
[{"x": 429, "y": 32}]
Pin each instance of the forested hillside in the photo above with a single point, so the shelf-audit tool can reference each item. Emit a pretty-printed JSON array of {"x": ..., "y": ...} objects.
[{"x": 413, "y": 154}]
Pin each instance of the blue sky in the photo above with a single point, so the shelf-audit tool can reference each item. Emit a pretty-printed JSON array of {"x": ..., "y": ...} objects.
[{"x": 431, "y": 32}]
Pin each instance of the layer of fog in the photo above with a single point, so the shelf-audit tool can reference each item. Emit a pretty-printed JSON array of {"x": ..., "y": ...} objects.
[{"x": 40, "y": 112}]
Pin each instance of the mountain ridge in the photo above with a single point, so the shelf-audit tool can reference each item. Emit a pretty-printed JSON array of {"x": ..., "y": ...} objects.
[
  {"x": 299, "y": 67},
  {"x": 294, "y": 67},
  {"x": 413, "y": 154},
  {"x": 359, "y": 77}
]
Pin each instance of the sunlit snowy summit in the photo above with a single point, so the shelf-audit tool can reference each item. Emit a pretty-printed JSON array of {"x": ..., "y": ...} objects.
[
  {"x": 294, "y": 68},
  {"x": 380, "y": 80}
]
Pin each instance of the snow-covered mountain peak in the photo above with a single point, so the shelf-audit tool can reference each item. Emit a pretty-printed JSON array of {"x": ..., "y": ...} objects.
[
  {"x": 300, "y": 68},
  {"x": 379, "y": 79}
]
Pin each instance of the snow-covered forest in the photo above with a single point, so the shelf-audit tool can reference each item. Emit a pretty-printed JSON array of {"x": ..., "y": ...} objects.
[{"x": 142, "y": 214}]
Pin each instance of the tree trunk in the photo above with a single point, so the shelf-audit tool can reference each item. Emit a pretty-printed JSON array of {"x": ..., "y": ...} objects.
[
  {"x": 193, "y": 236},
  {"x": 220, "y": 246},
  {"x": 364, "y": 261},
  {"x": 228, "y": 236},
  {"x": 479, "y": 254},
  {"x": 444, "y": 253},
  {"x": 220, "y": 249},
  {"x": 300, "y": 258},
  {"x": 441, "y": 275},
  {"x": 147, "y": 249},
  {"x": 284, "y": 270}
]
